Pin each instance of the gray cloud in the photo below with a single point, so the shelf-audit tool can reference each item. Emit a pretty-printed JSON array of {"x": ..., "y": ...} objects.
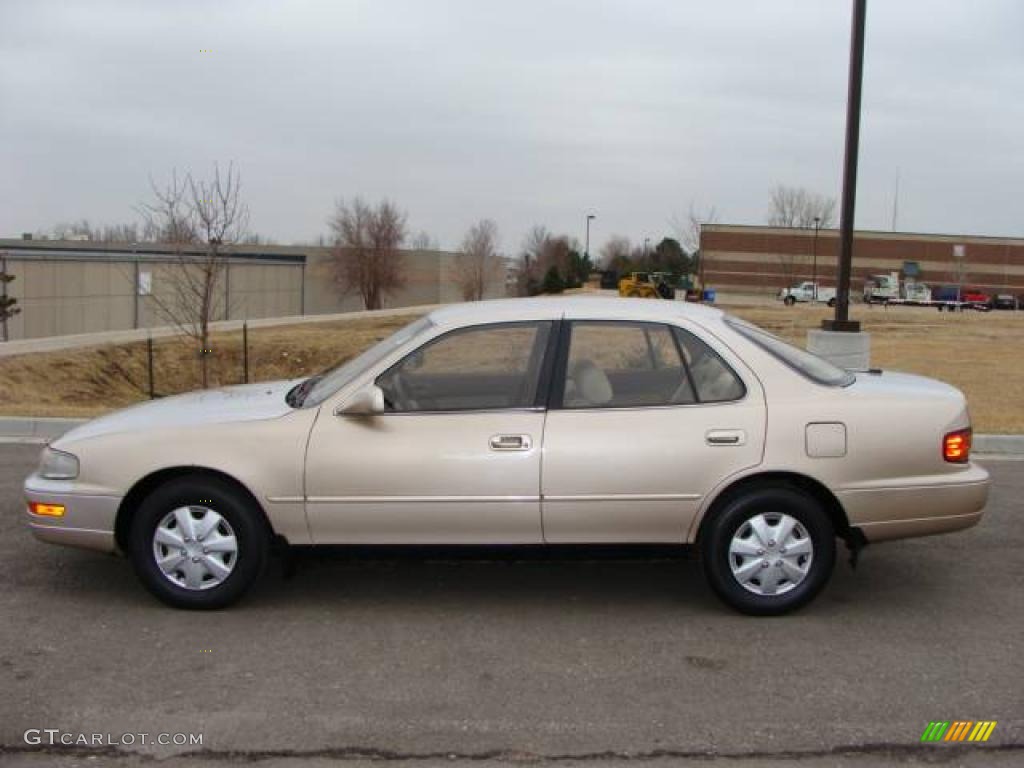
[{"x": 528, "y": 112}]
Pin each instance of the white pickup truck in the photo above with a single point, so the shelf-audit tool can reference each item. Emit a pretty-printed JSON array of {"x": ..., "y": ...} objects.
[{"x": 807, "y": 291}]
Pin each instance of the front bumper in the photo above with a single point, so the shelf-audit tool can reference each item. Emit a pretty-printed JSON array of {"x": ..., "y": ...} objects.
[
  {"x": 919, "y": 507},
  {"x": 88, "y": 520}
]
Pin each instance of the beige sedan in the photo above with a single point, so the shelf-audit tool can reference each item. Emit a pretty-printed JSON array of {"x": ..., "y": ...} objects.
[{"x": 527, "y": 422}]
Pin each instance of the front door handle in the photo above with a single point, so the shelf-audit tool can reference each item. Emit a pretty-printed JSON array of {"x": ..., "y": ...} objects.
[
  {"x": 511, "y": 443},
  {"x": 726, "y": 437}
]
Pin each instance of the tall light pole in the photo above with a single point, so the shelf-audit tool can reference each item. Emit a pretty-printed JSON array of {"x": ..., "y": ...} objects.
[
  {"x": 842, "y": 321},
  {"x": 814, "y": 259},
  {"x": 586, "y": 249}
]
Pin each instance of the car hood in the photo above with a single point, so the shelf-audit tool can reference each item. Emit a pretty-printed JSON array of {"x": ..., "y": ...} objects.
[{"x": 247, "y": 402}]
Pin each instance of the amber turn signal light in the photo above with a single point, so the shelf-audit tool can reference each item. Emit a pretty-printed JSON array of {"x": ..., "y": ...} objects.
[
  {"x": 46, "y": 510},
  {"x": 956, "y": 446}
]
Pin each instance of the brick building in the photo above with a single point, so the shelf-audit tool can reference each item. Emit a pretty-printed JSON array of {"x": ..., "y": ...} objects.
[{"x": 764, "y": 259}]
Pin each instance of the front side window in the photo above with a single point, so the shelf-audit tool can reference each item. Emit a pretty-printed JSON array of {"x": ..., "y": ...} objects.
[
  {"x": 478, "y": 368},
  {"x": 322, "y": 386},
  {"x": 623, "y": 364}
]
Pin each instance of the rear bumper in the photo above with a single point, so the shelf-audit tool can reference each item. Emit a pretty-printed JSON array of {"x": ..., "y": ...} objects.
[
  {"x": 88, "y": 520},
  {"x": 920, "y": 507}
]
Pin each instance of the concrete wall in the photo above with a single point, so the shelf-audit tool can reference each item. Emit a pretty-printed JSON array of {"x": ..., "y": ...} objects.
[
  {"x": 66, "y": 287},
  {"x": 61, "y": 296},
  {"x": 764, "y": 259}
]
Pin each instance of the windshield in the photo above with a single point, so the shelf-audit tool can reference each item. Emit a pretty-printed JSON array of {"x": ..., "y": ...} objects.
[
  {"x": 810, "y": 365},
  {"x": 318, "y": 388}
]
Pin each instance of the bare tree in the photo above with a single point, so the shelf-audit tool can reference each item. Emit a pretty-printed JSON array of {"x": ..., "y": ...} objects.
[
  {"x": 477, "y": 263},
  {"x": 255, "y": 239},
  {"x": 75, "y": 230},
  {"x": 110, "y": 233},
  {"x": 688, "y": 232},
  {"x": 121, "y": 233},
  {"x": 366, "y": 257},
  {"x": 199, "y": 218},
  {"x": 615, "y": 253},
  {"x": 8, "y": 308},
  {"x": 424, "y": 242},
  {"x": 799, "y": 207},
  {"x": 528, "y": 272},
  {"x": 541, "y": 252}
]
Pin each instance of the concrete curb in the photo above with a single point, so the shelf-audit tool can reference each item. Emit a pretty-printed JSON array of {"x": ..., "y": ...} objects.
[
  {"x": 19, "y": 429},
  {"x": 999, "y": 444},
  {"x": 24, "y": 429}
]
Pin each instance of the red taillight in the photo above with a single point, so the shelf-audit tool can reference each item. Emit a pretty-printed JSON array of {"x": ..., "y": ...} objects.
[{"x": 956, "y": 446}]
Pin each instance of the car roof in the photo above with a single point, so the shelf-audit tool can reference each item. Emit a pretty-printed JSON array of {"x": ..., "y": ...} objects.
[{"x": 581, "y": 306}]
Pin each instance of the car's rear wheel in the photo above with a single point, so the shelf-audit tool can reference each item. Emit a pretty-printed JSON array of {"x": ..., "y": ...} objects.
[
  {"x": 768, "y": 551},
  {"x": 196, "y": 543},
  {"x": 789, "y": 301}
]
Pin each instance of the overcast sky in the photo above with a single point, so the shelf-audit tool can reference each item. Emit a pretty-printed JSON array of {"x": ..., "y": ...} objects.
[{"x": 528, "y": 112}]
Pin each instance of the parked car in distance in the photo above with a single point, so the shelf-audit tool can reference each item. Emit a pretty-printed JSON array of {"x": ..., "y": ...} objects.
[
  {"x": 956, "y": 297},
  {"x": 1004, "y": 301},
  {"x": 807, "y": 291},
  {"x": 975, "y": 296},
  {"x": 570, "y": 420}
]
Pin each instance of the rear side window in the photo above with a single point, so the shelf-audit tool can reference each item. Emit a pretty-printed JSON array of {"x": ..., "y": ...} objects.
[
  {"x": 631, "y": 364},
  {"x": 810, "y": 365}
]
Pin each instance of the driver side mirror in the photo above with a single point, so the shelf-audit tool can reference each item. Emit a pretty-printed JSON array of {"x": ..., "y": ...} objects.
[{"x": 365, "y": 402}]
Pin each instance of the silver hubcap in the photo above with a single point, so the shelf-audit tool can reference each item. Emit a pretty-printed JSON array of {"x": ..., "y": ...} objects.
[
  {"x": 195, "y": 547},
  {"x": 771, "y": 554}
]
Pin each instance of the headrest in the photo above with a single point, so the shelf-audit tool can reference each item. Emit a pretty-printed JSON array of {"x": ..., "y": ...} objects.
[{"x": 592, "y": 386}]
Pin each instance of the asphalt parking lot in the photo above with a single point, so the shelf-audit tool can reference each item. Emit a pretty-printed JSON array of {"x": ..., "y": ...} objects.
[{"x": 575, "y": 661}]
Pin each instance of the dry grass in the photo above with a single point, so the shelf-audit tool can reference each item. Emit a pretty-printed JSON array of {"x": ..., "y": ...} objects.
[
  {"x": 87, "y": 382},
  {"x": 979, "y": 353}
]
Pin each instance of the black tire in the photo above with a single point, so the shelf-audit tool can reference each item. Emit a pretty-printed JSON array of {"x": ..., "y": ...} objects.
[
  {"x": 247, "y": 525},
  {"x": 727, "y": 521},
  {"x": 831, "y": 302},
  {"x": 789, "y": 301}
]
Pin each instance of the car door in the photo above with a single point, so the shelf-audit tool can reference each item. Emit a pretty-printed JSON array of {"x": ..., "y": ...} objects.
[
  {"x": 645, "y": 420},
  {"x": 455, "y": 457}
]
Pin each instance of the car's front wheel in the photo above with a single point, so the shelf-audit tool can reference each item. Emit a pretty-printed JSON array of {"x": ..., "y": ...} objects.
[
  {"x": 195, "y": 543},
  {"x": 768, "y": 551}
]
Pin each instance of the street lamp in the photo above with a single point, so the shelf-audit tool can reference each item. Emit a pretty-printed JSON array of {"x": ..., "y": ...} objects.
[
  {"x": 814, "y": 261},
  {"x": 586, "y": 250}
]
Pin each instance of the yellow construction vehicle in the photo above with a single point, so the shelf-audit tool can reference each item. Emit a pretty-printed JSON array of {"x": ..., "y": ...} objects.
[{"x": 647, "y": 285}]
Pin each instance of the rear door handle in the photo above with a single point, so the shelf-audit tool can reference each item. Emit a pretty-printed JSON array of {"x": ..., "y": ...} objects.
[
  {"x": 511, "y": 443},
  {"x": 726, "y": 437}
]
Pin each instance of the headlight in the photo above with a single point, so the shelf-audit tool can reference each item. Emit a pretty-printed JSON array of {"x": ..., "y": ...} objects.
[{"x": 57, "y": 465}]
